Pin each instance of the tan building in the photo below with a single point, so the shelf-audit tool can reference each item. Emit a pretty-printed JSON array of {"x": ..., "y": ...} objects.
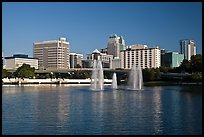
[
  {"x": 115, "y": 45},
  {"x": 140, "y": 55},
  {"x": 52, "y": 54},
  {"x": 17, "y": 60},
  {"x": 116, "y": 63},
  {"x": 75, "y": 59}
]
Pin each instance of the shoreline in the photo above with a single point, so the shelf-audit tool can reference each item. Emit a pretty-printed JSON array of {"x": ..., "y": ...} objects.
[
  {"x": 19, "y": 81},
  {"x": 163, "y": 83},
  {"x": 73, "y": 82}
]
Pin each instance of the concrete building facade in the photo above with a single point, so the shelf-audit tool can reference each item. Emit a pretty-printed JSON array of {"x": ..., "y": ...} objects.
[
  {"x": 115, "y": 45},
  {"x": 116, "y": 63},
  {"x": 52, "y": 54},
  {"x": 17, "y": 60},
  {"x": 75, "y": 59},
  {"x": 140, "y": 55}
]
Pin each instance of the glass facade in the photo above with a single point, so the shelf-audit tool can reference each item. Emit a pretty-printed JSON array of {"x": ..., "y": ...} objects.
[
  {"x": 172, "y": 59},
  {"x": 188, "y": 48}
]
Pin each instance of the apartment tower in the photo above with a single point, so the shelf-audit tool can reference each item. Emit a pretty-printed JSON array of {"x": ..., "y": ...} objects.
[
  {"x": 52, "y": 54},
  {"x": 141, "y": 55}
]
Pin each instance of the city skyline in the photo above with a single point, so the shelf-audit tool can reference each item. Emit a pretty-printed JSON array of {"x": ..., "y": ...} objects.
[{"x": 88, "y": 25}]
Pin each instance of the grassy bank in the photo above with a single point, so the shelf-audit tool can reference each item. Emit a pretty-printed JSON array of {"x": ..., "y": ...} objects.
[{"x": 167, "y": 83}]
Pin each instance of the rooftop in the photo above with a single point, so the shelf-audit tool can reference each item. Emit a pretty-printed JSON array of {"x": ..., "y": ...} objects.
[
  {"x": 96, "y": 51},
  {"x": 20, "y": 56}
]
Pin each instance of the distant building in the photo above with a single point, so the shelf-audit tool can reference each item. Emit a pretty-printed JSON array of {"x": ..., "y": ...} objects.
[
  {"x": 96, "y": 55},
  {"x": 104, "y": 50},
  {"x": 3, "y": 61},
  {"x": 87, "y": 63},
  {"x": 122, "y": 43},
  {"x": 52, "y": 54},
  {"x": 115, "y": 45},
  {"x": 188, "y": 48},
  {"x": 17, "y": 60},
  {"x": 106, "y": 60},
  {"x": 75, "y": 59},
  {"x": 116, "y": 63},
  {"x": 140, "y": 55},
  {"x": 163, "y": 51},
  {"x": 171, "y": 59}
]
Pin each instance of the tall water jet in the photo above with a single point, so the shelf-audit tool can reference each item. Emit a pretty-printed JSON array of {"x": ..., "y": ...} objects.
[
  {"x": 100, "y": 76},
  {"x": 114, "y": 81},
  {"x": 135, "y": 81},
  {"x": 94, "y": 76},
  {"x": 97, "y": 79}
]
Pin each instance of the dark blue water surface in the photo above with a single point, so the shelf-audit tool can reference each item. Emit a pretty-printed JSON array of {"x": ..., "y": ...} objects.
[{"x": 63, "y": 109}]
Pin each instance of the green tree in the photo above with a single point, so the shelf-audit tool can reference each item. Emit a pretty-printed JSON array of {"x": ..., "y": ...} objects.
[
  {"x": 76, "y": 74},
  {"x": 5, "y": 73},
  {"x": 157, "y": 74},
  {"x": 25, "y": 71},
  {"x": 78, "y": 66},
  {"x": 175, "y": 70},
  {"x": 108, "y": 74},
  {"x": 164, "y": 69},
  {"x": 185, "y": 66},
  {"x": 86, "y": 75},
  {"x": 148, "y": 74},
  {"x": 196, "y": 63},
  {"x": 197, "y": 76}
]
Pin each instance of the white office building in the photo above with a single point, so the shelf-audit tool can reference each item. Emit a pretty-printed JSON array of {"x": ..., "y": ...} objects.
[
  {"x": 140, "y": 55},
  {"x": 17, "y": 60}
]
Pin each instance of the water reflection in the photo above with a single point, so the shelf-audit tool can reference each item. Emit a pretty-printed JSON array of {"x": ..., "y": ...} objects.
[
  {"x": 61, "y": 109},
  {"x": 157, "y": 112}
]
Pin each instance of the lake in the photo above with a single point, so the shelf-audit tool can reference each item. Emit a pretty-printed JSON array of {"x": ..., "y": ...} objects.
[{"x": 53, "y": 109}]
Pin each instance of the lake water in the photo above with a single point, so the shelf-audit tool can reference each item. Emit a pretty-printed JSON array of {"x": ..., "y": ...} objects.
[{"x": 68, "y": 110}]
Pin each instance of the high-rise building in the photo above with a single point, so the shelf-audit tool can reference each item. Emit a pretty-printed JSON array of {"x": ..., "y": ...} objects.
[
  {"x": 171, "y": 59},
  {"x": 17, "y": 60},
  {"x": 115, "y": 45},
  {"x": 52, "y": 54},
  {"x": 188, "y": 48},
  {"x": 75, "y": 59},
  {"x": 140, "y": 55},
  {"x": 122, "y": 43}
]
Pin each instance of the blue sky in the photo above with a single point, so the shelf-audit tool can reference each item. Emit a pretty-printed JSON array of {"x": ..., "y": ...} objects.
[{"x": 87, "y": 25}]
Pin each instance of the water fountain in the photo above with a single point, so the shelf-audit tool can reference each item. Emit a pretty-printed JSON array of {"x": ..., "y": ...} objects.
[
  {"x": 97, "y": 79},
  {"x": 135, "y": 81},
  {"x": 114, "y": 81}
]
